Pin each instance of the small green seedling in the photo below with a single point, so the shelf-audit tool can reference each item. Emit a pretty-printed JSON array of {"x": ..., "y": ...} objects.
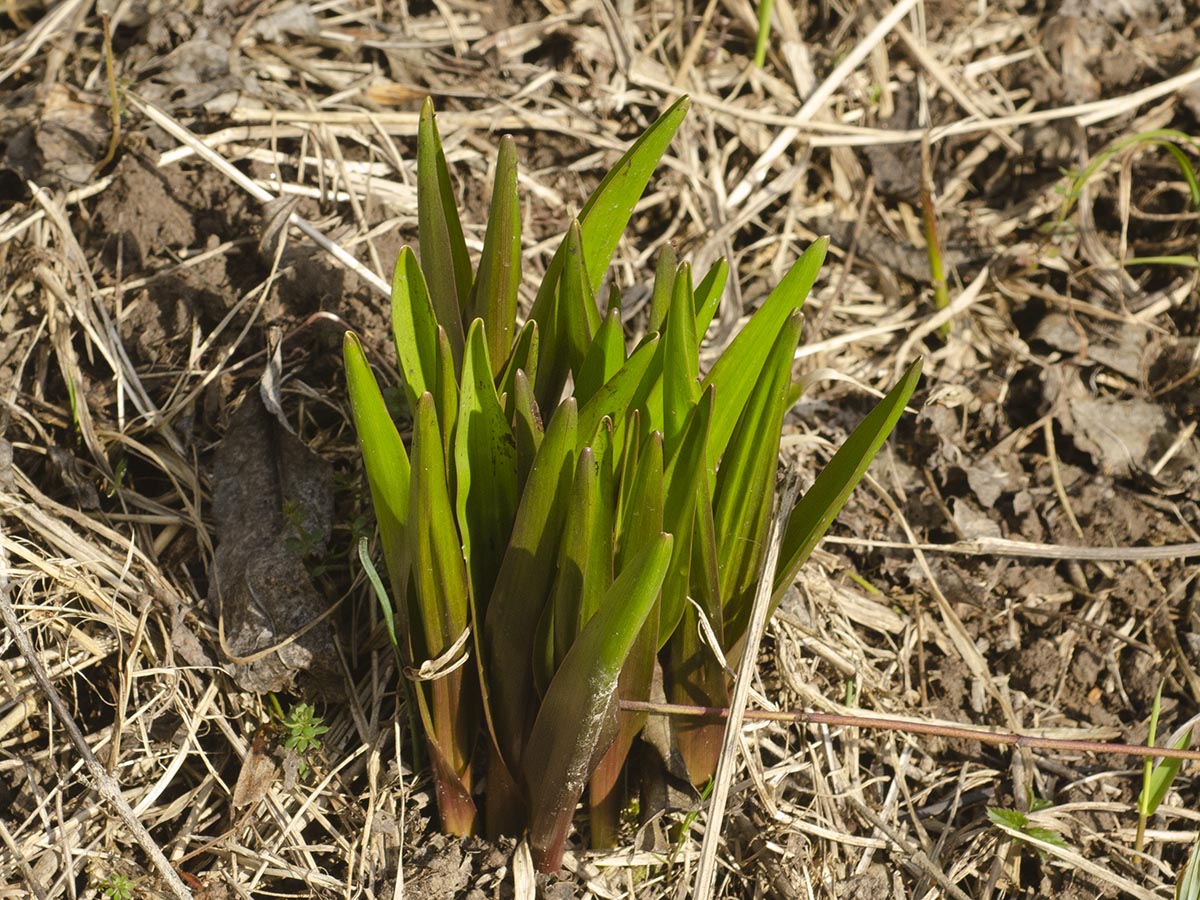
[
  {"x": 119, "y": 887},
  {"x": 1015, "y": 820},
  {"x": 304, "y": 729},
  {"x": 1157, "y": 777}
]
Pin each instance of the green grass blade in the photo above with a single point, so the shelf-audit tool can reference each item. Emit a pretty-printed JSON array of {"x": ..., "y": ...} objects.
[
  {"x": 641, "y": 521},
  {"x": 444, "y": 256},
  {"x": 576, "y": 722},
  {"x": 736, "y": 372},
  {"x": 746, "y": 481},
  {"x": 641, "y": 516},
  {"x": 494, "y": 293},
  {"x": 764, "y": 31},
  {"x": 523, "y": 584},
  {"x": 485, "y": 467},
  {"x": 598, "y": 575},
  {"x": 1158, "y": 777},
  {"x": 817, "y": 509},
  {"x": 414, "y": 326}
]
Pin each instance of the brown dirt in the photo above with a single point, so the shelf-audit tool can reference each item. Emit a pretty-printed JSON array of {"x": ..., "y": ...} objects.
[{"x": 140, "y": 304}]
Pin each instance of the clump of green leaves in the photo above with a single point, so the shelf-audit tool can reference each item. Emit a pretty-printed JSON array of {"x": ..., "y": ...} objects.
[
  {"x": 571, "y": 504},
  {"x": 119, "y": 887},
  {"x": 304, "y": 728}
]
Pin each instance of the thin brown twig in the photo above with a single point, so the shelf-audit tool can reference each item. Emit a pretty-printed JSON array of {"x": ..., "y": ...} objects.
[{"x": 914, "y": 726}]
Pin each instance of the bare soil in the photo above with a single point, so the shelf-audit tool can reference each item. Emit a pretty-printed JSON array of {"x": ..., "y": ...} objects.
[{"x": 180, "y": 488}]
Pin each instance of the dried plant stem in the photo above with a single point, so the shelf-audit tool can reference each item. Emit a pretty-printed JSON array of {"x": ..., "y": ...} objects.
[
  {"x": 104, "y": 783},
  {"x": 707, "y": 868}
]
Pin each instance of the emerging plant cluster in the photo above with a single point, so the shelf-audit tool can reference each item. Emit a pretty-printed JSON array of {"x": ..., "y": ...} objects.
[{"x": 546, "y": 553}]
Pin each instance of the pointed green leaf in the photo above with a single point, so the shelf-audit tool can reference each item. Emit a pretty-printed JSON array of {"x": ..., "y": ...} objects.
[
  {"x": 1163, "y": 774},
  {"x": 612, "y": 401},
  {"x": 576, "y": 722},
  {"x": 527, "y": 428},
  {"x": 607, "y": 211},
  {"x": 736, "y": 372},
  {"x": 494, "y": 294},
  {"x": 817, "y": 509},
  {"x": 681, "y": 360},
  {"x": 578, "y": 316},
  {"x": 388, "y": 472},
  {"x": 572, "y": 319},
  {"x": 664, "y": 286},
  {"x": 746, "y": 481},
  {"x": 708, "y": 295},
  {"x": 524, "y": 358},
  {"x": 414, "y": 325},
  {"x": 444, "y": 256},
  {"x": 523, "y": 584},
  {"x": 485, "y": 458},
  {"x": 604, "y": 358},
  {"x": 1158, "y": 777}
]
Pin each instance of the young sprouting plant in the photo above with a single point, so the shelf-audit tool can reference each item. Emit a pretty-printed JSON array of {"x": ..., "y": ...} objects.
[
  {"x": 570, "y": 505},
  {"x": 1175, "y": 143},
  {"x": 304, "y": 728},
  {"x": 118, "y": 887},
  {"x": 1018, "y": 824},
  {"x": 1157, "y": 777}
]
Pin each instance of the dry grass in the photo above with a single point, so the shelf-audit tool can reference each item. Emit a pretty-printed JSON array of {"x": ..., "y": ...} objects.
[{"x": 320, "y": 108}]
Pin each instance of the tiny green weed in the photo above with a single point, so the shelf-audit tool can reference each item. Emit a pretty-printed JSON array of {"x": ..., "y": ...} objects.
[
  {"x": 304, "y": 728},
  {"x": 1015, "y": 820},
  {"x": 119, "y": 887}
]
